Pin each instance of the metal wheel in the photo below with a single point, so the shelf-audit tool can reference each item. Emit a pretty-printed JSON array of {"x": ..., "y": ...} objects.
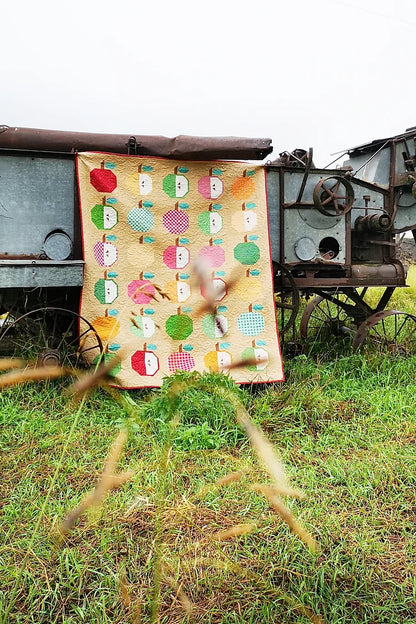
[
  {"x": 286, "y": 297},
  {"x": 328, "y": 195},
  {"x": 323, "y": 319},
  {"x": 50, "y": 336},
  {"x": 388, "y": 331}
]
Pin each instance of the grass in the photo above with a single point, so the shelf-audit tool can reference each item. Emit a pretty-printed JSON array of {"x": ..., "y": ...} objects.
[{"x": 346, "y": 430}]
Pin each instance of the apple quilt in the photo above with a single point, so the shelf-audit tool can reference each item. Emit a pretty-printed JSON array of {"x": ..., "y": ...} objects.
[{"x": 177, "y": 268}]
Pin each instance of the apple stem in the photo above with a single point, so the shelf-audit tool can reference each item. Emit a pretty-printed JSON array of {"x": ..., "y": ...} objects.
[
  {"x": 177, "y": 277},
  {"x": 177, "y": 242},
  {"x": 141, "y": 312},
  {"x": 102, "y": 164},
  {"x": 140, "y": 204},
  {"x": 105, "y": 274},
  {"x": 104, "y": 238},
  {"x": 210, "y": 172},
  {"x": 217, "y": 346},
  {"x": 145, "y": 346},
  {"x": 250, "y": 307},
  {"x": 248, "y": 273},
  {"x": 245, "y": 173},
  {"x": 139, "y": 168},
  {"x": 253, "y": 343},
  {"x": 141, "y": 239},
  {"x": 243, "y": 207},
  {"x": 180, "y": 349},
  {"x": 106, "y": 312},
  {"x": 178, "y": 311},
  {"x": 141, "y": 275},
  {"x": 175, "y": 171},
  {"x": 210, "y": 242},
  {"x": 177, "y": 206},
  {"x": 104, "y": 199},
  {"x": 210, "y": 207},
  {"x": 245, "y": 238}
]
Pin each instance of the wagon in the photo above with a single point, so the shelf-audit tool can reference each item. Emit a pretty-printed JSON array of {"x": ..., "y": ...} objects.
[{"x": 333, "y": 235}]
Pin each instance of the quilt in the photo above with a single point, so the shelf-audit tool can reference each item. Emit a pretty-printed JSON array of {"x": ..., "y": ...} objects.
[{"x": 177, "y": 268}]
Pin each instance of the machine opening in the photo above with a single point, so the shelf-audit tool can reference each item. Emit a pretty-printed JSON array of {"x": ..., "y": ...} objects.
[{"x": 329, "y": 248}]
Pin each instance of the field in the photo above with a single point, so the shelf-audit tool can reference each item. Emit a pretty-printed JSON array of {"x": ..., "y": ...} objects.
[{"x": 188, "y": 536}]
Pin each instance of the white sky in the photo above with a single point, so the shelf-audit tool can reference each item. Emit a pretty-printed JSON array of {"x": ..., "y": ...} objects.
[{"x": 324, "y": 73}]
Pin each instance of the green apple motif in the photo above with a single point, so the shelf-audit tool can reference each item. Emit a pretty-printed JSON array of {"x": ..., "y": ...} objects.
[
  {"x": 106, "y": 358},
  {"x": 175, "y": 184},
  {"x": 215, "y": 325},
  {"x": 103, "y": 216},
  {"x": 141, "y": 219},
  {"x": 210, "y": 222},
  {"x": 106, "y": 290},
  {"x": 256, "y": 357},
  {"x": 141, "y": 324},
  {"x": 251, "y": 323},
  {"x": 247, "y": 252},
  {"x": 179, "y": 326}
]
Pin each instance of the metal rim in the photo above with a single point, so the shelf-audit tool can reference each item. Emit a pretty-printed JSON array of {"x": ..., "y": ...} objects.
[
  {"x": 286, "y": 297},
  {"x": 326, "y": 198},
  {"x": 323, "y": 318},
  {"x": 51, "y": 336},
  {"x": 388, "y": 331}
]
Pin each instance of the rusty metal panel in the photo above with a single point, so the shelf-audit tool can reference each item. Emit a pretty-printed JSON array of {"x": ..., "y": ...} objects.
[
  {"x": 36, "y": 198},
  {"x": 24, "y": 274}
]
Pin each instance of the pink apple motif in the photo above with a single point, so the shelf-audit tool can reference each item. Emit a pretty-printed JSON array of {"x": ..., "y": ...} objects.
[
  {"x": 176, "y": 221},
  {"x": 210, "y": 187},
  {"x": 106, "y": 254},
  {"x": 212, "y": 255},
  {"x": 180, "y": 361},
  {"x": 141, "y": 291},
  {"x": 176, "y": 256}
]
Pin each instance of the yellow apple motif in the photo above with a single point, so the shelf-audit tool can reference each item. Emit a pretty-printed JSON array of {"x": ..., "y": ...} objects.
[
  {"x": 139, "y": 182},
  {"x": 218, "y": 360},
  {"x": 178, "y": 291},
  {"x": 141, "y": 254},
  {"x": 248, "y": 288},
  {"x": 245, "y": 220}
]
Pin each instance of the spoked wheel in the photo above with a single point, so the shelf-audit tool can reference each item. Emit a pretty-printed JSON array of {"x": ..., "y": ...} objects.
[
  {"x": 324, "y": 320},
  {"x": 286, "y": 297},
  {"x": 389, "y": 331},
  {"x": 50, "y": 337}
]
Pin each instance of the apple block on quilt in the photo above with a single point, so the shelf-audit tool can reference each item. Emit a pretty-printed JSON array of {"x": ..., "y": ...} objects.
[{"x": 178, "y": 268}]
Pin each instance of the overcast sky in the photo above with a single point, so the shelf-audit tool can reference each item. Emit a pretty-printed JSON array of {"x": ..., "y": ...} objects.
[{"x": 324, "y": 73}]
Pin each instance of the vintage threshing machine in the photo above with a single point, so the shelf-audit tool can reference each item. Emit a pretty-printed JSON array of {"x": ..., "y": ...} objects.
[{"x": 333, "y": 235}]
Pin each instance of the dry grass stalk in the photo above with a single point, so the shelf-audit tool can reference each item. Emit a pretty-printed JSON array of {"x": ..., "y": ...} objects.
[
  {"x": 232, "y": 477},
  {"x": 11, "y": 364},
  {"x": 107, "y": 482},
  {"x": 280, "y": 508},
  {"x": 186, "y": 603},
  {"x": 40, "y": 373},
  {"x": 86, "y": 382},
  {"x": 234, "y": 531}
]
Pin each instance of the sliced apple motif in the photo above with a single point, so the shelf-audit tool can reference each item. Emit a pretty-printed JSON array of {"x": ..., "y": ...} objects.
[
  {"x": 244, "y": 186},
  {"x": 246, "y": 220},
  {"x": 103, "y": 180},
  {"x": 176, "y": 221},
  {"x": 210, "y": 221},
  {"x": 104, "y": 216},
  {"x": 251, "y": 323},
  {"x": 107, "y": 326},
  {"x": 218, "y": 360},
  {"x": 249, "y": 287},
  {"x": 145, "y": 363},
  {"x": 214, "y": 289},
  {"x": 213, "y": 255},
  {"x": 141, "y": 253},
  {"x": 247, "y": 252},
  {"x": 256, "y": 357},
  {"x": 179, "y": 326},
  {"x": 140, "y": 180},
  {"x": 181, "y": 360},
  {"x": 175, "y": 184},
  {"x": 106, "y": 359},
  {"x": 105, "y": 253},
  {"x": 141, "y": 290},
  {"x": 178, "y": 291},
  {"x": 215, "y": 325},
  {"x": 141, "y": 324},
  {"x": 177, "y": 256},
  {"x": 211, "y": 186},
  {"x": 106, "y": 290},
  {"x": 141, "y": 219}
]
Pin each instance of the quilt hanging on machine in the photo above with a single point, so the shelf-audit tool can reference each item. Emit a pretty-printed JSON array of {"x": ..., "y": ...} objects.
[{"x": 177, "y": 268}]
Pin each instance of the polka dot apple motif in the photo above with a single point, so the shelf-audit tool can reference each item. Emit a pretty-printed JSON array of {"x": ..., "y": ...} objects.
[
  {"x": 247, "y": 252},
  {"x": 246, "y": 219},
  {"x": 176, "y": 221},
  {"x": 141, "y": 254},
  {"x": 210, "y": 222},
  {"x": 176, "y": 185},
  {"x": 256, "y": 358},
  {"x": 181, "y": 360},
  {"x": 251, "y": 323},
  {"x": 142, "y": 324},
  {"x": 249, "y": 287},
  {"x": 177, "y": 256},
  {"x": 211, "y": 186},
  {"x": 218, "y": 360},
  {"x": 215, "y": 325},
  {"x": 244, "y": 186},
  {"x": 145, "y": 362},
  {"x": 178, "y": 290},
  {"x": 105, "y": 253},
  {"x": 141, "y": 219},
  {"x": 212, "y": 255},
  {"x": 106, "y": 290},
  {"x": 179, "y": 326},
  {"x": 107, "y": 326},
  {"x": 105, "y": 216},
  {"x": 103, "y": 179},
  {"x": 141, "y": 290},
  {"x": 140, "y": 181}
]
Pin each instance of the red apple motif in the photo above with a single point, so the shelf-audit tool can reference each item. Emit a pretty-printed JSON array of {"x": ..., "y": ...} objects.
[
  {"x": 212, "y": 255},
  {"x": 180, "y": 361},
  {"x": 103, "y": 180},
  {"x": 145, "y": 362},
  {"x": 141, "y": 291},
  {"x": 210, "y": 187},
  {"x": 105, "y": 253},
  {"x": 176, "y": 256},
  {"x": 176, "y": 221}
]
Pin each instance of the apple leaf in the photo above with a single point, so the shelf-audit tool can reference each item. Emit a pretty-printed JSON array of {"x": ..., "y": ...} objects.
[
  {"x": 111, "y": 200},
  {"x": 251, "y": 172},
  {"x": 149, "y": 311},
  {"x": 250, "y": 206},
  {"x": 111, "y": 237},
  {"x": 186, "y": 309},
  {"x": 184, "y": 241},
  {"x": 254, "y": 272},
  {"x": 151, "y": 347},
  {"x": 114, "y": 347},
  {"x": 148, "y": 239},
  {"x": 257, "y": 307},
  {"x": 217, "y": 207},
  {"x": 148, "y": 275},
  {"x": 109, "y": 166},
  {"x": 113, "y": 312},
  {"x": 112, "y": 274},
  {"x": 217, "y": 172},
  {"x": 184, "y": 276},
  {"x": 225, "y": 345},
  {"x": 219, "y": 273},
  {"x": 261, "y": 343},
  {"x": 187, "y": 347},
  {"x": 147, "y": 204},
  {"x": 183, "y": 206},
  {"x": 183, "y": 169},
  {"x": 147, "y": 168},
  {"x": 222, "y": 308},
  {"x": 253, "y": 237},
  {"x": 218, "y": 241}
]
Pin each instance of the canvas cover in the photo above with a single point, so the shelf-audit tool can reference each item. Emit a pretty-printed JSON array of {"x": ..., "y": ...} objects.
[{"x": 177, "y": 267}]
